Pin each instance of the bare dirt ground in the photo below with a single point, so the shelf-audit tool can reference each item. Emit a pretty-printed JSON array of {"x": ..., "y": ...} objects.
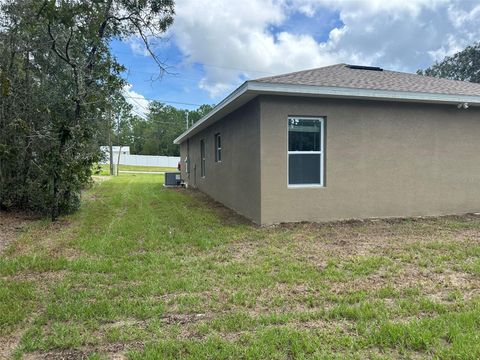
[{"x": 11, "y": 225}]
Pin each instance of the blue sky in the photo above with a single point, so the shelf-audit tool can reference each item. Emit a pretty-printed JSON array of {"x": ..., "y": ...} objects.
[
  {"x": 178, "y": 87},
  {"x": 213, "y": 47}
]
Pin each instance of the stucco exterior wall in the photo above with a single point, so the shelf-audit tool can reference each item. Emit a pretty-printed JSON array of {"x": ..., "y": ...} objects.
[
  {"x": 235, "y": 181},
  {"x": 382, "y": 159}
]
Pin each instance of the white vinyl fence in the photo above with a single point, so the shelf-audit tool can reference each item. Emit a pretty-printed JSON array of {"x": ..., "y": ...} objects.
[{"x": 147, "y": 160}]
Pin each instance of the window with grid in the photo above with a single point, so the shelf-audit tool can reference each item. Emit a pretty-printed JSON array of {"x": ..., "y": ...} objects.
[{"x": 305, "y": 151}]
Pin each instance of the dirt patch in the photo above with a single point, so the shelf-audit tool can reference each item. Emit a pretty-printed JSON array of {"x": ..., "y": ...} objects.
[
  {"x": 203, "y": 201},
  {"x": 52, "y": 238},
  {"x": 110, "y": 351},
  {"x": 176, "y": 319},
  {"x": 42, "y": 280},
  {"x": 11, "y": 225},
  {"x": 100, "y": 178},
  {"x": 395, "y": 240},
  {"x": 340, "y": 326},
  {"x": 410, "y": 254},
  {"x": 9, "y": 343},
  {"x": 342, "y": 240},
  {"x": 242, "y": 250}
]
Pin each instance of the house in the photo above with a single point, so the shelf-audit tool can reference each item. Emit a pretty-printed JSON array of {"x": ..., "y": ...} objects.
[{"x": 339, "y": 142}]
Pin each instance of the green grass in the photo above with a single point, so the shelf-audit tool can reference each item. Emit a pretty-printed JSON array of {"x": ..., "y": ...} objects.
[
  {"x": 104, "y": 169},
  {"x": 154, "y": 273},
  {"x": 17, "y": 299}
]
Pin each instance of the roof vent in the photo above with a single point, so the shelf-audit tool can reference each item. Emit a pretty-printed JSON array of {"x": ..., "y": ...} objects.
[{"x": 361, "y": 67}]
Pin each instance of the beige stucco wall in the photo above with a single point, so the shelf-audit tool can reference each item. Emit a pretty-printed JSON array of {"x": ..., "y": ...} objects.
[
  {"x": 235, "y": 181},
  {"x": 383, "y": 159}
]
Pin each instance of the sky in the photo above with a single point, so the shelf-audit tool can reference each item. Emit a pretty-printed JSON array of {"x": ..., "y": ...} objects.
[{"x": 214, "y": 46}]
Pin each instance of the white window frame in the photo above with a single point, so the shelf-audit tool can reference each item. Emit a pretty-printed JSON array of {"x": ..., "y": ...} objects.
[
  {"x": 218, "y": 149},
  {"x": 187, "y": 158},
  {"x": 203, "y": 160},
  {"x": 321, "y": 152},
  {"x": 187, "y": 165}
]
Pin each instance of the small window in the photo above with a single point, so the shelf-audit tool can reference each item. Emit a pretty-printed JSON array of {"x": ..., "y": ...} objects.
[
  {"x": 187, "y": 165},
  {"x": 305, "y": 151},
  {"x": 187, "y": 158},
  {"x": 218, "y": 147},
  {"x": 202, "y": 158}
]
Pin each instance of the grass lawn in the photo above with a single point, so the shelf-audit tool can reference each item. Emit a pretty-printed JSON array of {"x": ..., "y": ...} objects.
[
  {"x": 105, "y": 168},
  {"x": 147, "y": 272}
]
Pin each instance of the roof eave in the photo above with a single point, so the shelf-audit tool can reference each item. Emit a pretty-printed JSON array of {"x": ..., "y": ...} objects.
[
  {"x": 216, "y": 110},
  {"x": 249, "y": 89},
  {"x": 408, "y": 96}
]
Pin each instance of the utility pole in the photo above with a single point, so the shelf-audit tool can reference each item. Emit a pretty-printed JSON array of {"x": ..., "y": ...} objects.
[
  {"x": 109, "y": 114},
  {"x": 186, "y": 117},
  {"x": 119, "y": 144}
]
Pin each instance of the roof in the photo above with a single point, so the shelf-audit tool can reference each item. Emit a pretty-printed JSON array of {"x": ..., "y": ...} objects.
[
  {"x": 345, "y": 81},
  {"x": 342, "y": 75}
]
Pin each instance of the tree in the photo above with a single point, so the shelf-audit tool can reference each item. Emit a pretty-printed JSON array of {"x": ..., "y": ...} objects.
[
  {"x": 197, "y": 114},
  {"x": 164, "y": 124},
  {"x": 117, "y": 128},
  {"x": 154, "y": 135},
  {"x": 58, "y": 82},
  {"x": 138, "y": 129},
  {"x": 464, "y": 65}
]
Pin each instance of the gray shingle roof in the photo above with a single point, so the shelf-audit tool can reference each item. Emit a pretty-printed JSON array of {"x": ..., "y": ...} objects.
[{"x": 341, "y": 75}]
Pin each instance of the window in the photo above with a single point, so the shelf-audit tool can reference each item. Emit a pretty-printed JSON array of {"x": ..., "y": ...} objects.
[
  {"x": 187, "y": 165},
  {"x": 187, "y": 158},
  {"x": 305, "y": 151},
  {"x": 218, "y": 147},
  {"x": 202, "y": 158}
]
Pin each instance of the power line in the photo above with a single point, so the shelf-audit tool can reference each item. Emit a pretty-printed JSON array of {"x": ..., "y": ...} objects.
[
  {"x": 131, "y": 69},
  {"x": 143, "y": 116},
  {"x": 157, "y": 122},
  {"x": 136, "y": 102},
  {"x": 162, "y": 100},
  {"x": 139, "y": 114},
  {"x": 206, "y": 65},
  {"x": 171, "y": 77}
]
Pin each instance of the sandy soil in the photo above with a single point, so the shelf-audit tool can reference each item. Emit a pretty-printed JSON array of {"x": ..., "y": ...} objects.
[{"x": 11, "y": 225}]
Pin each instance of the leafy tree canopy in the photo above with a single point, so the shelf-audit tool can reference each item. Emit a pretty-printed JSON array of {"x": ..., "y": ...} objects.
[
  {"x": 154, "y": 134},
  {"x": 464, "y": 65},
  {"x": 60, "y": 88}
]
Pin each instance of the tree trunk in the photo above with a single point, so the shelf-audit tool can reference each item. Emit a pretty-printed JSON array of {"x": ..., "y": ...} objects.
[
  {"x": 54, "y": 210},
  {"x": 110, "y": 146},
  {"x": 118, "y": 158},
  {"x": 111, "y": 156}
]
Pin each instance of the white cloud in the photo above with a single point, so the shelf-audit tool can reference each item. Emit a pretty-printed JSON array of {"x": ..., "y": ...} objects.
[
  {"x": 233, "y": 38},
  {"x": 138, "y": 101},
  {"x": 403, "y": 35},
  {"x": 137, "y": 46}
]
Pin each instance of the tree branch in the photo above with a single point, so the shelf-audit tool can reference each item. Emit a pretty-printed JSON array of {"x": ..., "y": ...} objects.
[
  {"x": 67, "y": 55},
  {"x": 54, "y": 47},
  {"x": 144, "y": 38},
  {"x": 66, "y": 58},
  {"x": 101, "y": 34}
]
